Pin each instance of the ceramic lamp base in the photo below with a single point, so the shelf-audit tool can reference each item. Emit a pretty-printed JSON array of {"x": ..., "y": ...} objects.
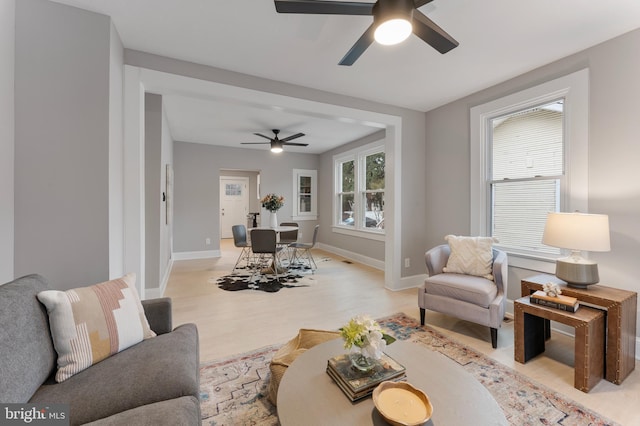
[{"x": 577, "y": 275}]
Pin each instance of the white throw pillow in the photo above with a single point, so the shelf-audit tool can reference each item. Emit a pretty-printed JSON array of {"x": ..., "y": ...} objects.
[
  {"x": 470, "y": 256},
  {"x": 89, "y": 324}
]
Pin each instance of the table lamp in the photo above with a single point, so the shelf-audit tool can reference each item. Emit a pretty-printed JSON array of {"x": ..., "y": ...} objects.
[{"x": 577, "y": 232}]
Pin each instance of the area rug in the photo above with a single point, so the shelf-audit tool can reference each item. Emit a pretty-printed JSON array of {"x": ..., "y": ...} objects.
[
  {"x": 268, "y": 283},
  {"x": 233, "y": 390}
]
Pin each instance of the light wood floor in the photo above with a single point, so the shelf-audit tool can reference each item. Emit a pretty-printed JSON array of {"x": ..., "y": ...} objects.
[{"x": 234, "y": 322}]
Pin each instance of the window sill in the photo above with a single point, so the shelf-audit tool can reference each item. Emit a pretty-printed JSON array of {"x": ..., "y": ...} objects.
[
  {"x": 301, "y": 218},
  {"x": 371, "y": 235},
  {"x": 532, "y": 263}
]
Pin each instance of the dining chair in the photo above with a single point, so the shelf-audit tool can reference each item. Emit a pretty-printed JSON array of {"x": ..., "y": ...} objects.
[
  {"x": 302, "y": 251},
  {"x": 287, "y": 238},
  {"x": 240, "y": 240},
  {"x": 265, "y": 250}
]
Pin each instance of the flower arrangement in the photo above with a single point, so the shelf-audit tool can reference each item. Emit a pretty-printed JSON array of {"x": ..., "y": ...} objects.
[
  {"x": 365, "y": 333},
  {"x": 272, "y": 202}
]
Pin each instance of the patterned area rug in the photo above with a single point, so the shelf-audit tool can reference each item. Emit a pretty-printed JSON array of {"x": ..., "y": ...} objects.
[
  {"x": 233, "y": 390},
  {"x": 240, "y": 281}
]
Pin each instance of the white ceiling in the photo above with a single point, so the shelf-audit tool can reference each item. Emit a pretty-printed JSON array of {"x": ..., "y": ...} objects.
[{"x": 499, "y": 39}]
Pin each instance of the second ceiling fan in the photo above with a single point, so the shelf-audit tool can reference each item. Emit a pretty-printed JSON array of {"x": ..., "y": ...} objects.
[
  {"x": 277, "y": 144},
  {"x": 393, "y": 21}
]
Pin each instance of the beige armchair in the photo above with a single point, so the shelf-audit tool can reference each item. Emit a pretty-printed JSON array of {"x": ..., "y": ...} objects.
[{"x": 471, "y": 298}]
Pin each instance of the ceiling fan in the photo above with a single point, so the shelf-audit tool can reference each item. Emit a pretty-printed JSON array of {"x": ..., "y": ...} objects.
[
  {"x": 277, "y": 144},
  {"x": 393, "y": 22}
]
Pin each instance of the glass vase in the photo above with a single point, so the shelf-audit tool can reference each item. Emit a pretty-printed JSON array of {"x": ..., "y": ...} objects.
[{"x": 360, "y": 361}]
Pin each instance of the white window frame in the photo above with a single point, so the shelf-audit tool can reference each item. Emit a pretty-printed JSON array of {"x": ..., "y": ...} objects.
[
  {"x": 574, "y": 89},
  {"x": 313, "y": 213},
  {"x": 358, "y": 155}
]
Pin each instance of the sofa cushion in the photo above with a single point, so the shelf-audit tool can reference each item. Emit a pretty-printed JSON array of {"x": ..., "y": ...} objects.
[
  {"x": 183, "y": 411},
  {"x": 470, "y": 256},
  {"x": 476, "y": 290},
  {"x": 89, "y": 324},
  {"x": 154, "y": 370},
  {"x": 27, "y": 356}
]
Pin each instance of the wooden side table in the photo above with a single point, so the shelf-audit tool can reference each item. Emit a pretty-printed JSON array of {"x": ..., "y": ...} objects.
[
  {"x": 589, "y": 340},
  {"x": 621, "y": 311}
]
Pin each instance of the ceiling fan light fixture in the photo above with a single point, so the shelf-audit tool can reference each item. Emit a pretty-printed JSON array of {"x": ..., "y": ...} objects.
[
  {"x": 393, "y": 31},
  {"x": 276, "y": 147}
]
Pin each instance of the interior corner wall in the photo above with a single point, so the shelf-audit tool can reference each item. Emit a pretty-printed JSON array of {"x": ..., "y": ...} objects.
[
  {"x": 61, "y": 143},
  {"x": 7, "y": 58},
  {"x": 614, "y": 154}
]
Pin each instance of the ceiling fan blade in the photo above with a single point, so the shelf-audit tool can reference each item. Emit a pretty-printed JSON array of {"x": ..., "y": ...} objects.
[
  {"x": 254, "y": 143},
  {"x": 430, "y": 32},
  {"x": 295, "y": 144},
  {"x": 324, "y": 7},
  {"x": 266, "y": 137},
  {"x": 420, "y": 3},
  {"x": 358, "y": 49},
  {"x": 292, "y": 137}
]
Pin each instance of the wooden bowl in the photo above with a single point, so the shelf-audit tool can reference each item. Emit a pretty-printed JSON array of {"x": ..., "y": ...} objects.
[{"x": 401, "y": 404}]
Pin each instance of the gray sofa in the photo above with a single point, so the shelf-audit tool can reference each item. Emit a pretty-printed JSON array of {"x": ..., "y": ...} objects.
[{"x": 155, "y": 382}]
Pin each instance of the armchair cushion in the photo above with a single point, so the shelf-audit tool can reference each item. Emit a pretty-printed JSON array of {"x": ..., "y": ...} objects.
[
  {"x": 470, "y": 256},
  {"x": 475, "y": 290}
]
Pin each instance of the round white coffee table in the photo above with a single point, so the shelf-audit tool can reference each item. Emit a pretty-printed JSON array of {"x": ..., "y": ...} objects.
[{"x": 308, "y": 396}]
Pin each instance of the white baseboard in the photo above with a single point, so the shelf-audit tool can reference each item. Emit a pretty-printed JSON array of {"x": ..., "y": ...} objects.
[
  {"x": 154, "y": 293},
  {"x": 356, "y": 257},
  {"x": 192, "y": 255},
  {"x": 413, "y": 281}
]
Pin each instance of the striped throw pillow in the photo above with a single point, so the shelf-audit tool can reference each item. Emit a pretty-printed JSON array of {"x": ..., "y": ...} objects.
[{"x": 89, "y": 324}]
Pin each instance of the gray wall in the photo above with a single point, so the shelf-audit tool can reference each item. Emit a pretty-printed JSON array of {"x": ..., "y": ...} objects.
[
  {"x": 614, "y": 155},
  {"x": 158, "y": 153},
  {"x": 7, "y": 59},
  {"x": 153, "y": 194},
  {"x": 363, "y": 246},
  {"x": 62, "y": 143},
  {"x": 197, "y": 187}
]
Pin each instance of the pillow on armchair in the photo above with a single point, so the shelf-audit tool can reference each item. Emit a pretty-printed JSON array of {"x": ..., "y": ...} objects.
[{"x": 470, "y": 256}]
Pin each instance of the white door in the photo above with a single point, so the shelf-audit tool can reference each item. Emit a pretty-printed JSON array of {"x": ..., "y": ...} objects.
[{"x": 234, "y": 203}]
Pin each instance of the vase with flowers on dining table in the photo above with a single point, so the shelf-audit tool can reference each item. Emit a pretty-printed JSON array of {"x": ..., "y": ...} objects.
[{"x": 273, "y": 203}]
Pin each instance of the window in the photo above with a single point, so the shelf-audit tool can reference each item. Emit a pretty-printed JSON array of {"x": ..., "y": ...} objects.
[
  {"x": 360, "y": 187},
  {"x": 526, "y": 175},
  {"x": 528, "y": 158},
  {"x": 305, "y": 194}
]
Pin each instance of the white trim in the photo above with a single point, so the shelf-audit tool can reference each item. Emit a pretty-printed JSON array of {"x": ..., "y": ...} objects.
[
  {"x": 167, "y": 83},
  {"x": 574, "y": 88},
  {"x": 413, "y": 281},
  {"x": 358, "y": 155},
  {"x": 192, "y": 255},
  {"x": 313, "y": 213},
  {"x": 154, "y": 293},
  {"x": 356, "y": 257},
  {"x": 134, "y": 214},
  {"x": 361, "y": 233}
]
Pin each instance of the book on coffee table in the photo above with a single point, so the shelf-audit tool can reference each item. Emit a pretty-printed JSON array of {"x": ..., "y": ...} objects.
[
  {"x": 357, "y": 384},
  {"x": 564, "y": 303}
]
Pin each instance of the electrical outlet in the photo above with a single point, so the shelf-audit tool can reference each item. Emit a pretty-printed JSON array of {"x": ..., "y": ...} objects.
[
  {"x": 208, "y": 241},
  {"x": 407, "y": 262}
]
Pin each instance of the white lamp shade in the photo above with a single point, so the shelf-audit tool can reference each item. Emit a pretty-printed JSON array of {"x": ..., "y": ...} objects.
[
  {"x": 577, "y": 231},
  {"x": 393, "y": 31}
]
